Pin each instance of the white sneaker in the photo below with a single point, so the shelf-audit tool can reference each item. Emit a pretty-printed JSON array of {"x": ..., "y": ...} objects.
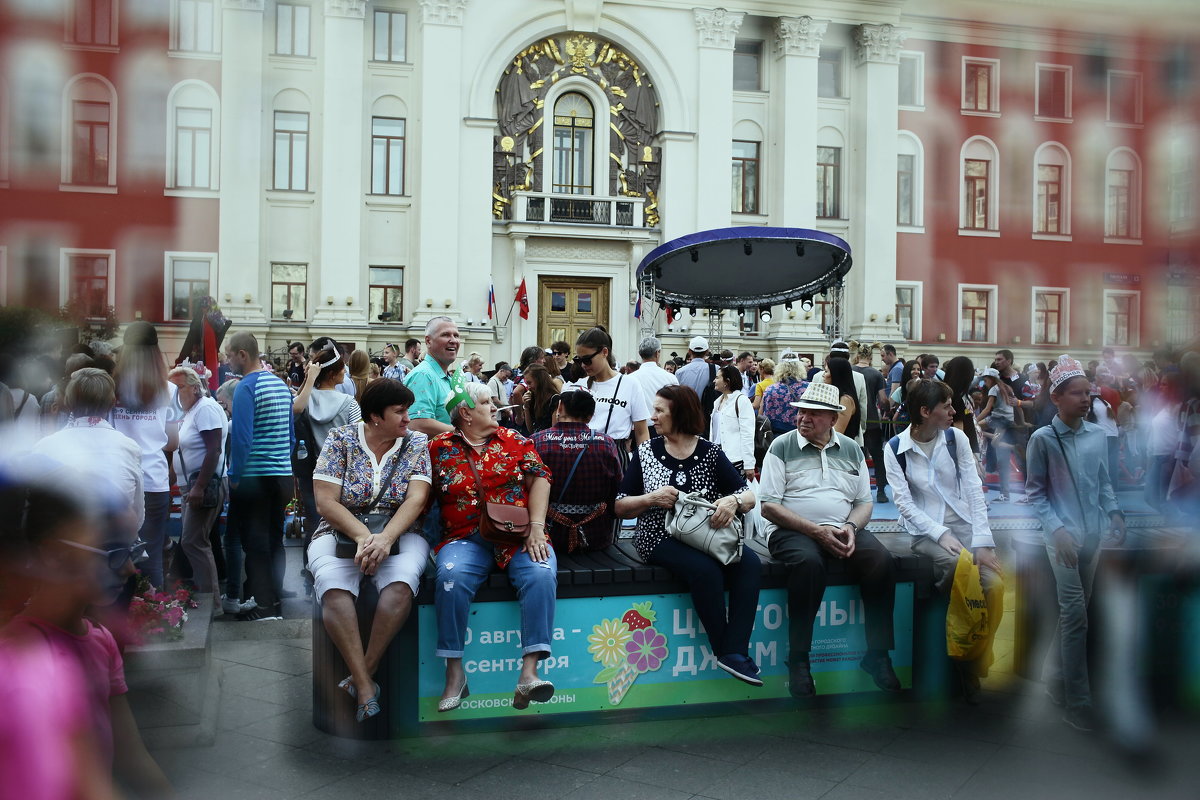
[{"x": 231, "y": 606}]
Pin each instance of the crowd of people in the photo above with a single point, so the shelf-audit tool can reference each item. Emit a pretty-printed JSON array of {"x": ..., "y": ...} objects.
[{"x": 421, "y": 455}]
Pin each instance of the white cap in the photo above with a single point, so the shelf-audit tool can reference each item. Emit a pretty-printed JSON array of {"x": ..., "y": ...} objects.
[{"x": 698, "y": 344}]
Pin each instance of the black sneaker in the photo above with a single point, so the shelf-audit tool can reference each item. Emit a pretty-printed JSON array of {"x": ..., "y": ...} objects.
[
  {"x": 741, "y": 667},
  {"x": 1081, "y": 718},
  {"x": 260, "y": 614},
  {"x": 800, "y": 679},
  {"x": 881, "y": 497},
  {"x": 879, "y": 667}
]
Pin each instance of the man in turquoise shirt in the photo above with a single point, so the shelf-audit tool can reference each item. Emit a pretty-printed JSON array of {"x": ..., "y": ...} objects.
[
  {"x": 430, "y": 381},
  {"x": 1071, "y": 492}
]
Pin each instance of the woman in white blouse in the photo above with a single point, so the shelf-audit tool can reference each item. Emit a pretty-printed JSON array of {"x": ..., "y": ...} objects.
[
  {"x": 732, "y": 426},
  {"x": 937, "y": 490}
]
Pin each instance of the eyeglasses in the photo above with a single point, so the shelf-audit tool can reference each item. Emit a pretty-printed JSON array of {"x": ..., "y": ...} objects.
[
  {"x": 585, "y": 359},
  {"x": 116, "y": 557}
]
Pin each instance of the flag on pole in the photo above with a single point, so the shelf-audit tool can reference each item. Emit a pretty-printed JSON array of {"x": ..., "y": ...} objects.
[
  {"x": 523, "y": 299},
  {"x": 491, "y": 300},
  {"x": 637, "y": 309},
  {"x": 670, "y": 315}
]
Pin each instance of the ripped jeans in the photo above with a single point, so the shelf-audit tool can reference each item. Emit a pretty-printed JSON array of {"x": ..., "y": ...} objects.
[{"x": 462, "y": 567}]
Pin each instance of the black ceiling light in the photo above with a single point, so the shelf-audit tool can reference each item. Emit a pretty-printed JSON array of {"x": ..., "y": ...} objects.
[
  {"x": 695, "y": 255},
  {"x": 800, "y": 249},
  {"x": 747, "y": 247},
  {"x": 806, "y": 302},
  {"x": 764, "y": 313},
  {"x": 692, "y": 311}
]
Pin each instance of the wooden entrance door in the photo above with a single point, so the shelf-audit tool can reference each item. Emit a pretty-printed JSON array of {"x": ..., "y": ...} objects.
[{"x": 568, "y": 306}]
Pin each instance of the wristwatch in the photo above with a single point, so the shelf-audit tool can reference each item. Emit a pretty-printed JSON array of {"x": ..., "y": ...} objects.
[{"x": 852, "y": 525}]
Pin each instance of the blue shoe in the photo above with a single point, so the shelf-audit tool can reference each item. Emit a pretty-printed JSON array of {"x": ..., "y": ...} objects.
[
  {"x": 741, "y": 667},
  {"x": 369, "y": 708}
]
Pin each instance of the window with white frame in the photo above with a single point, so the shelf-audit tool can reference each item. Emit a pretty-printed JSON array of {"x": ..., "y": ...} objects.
[
  {"x": 291, "y": 151},
  {"x": 193, "y": 26},
  {"x": 292, "y": 24},
  {"x": 391, "y": 35},
  {"x": 1052, "y": 190},
  {"x": 1122, "y": 317},
  {"x": 980, "y": 85},
  {"x": 1180, "y": 180},
  {"x": 1123, "y": 195},
  {"x": 830, "y": 70},
  {"x": 1053, "y": 98},
  {"x": 87, "y": 280},
  {"x": 829, "y": 182},
  {"x": 910, "y": 170},
  {"x": 193, "y": 123},
  {"x": 89, "y": 132},
  {"x": 189, "y": 279},
  {"x": 386, "y": 293},
  {"x": 979, "y": 206},
  {"x": 1124, "y": 97},
  {"x": 977, "y": 306},
  {"x": 387, "y": 155},
  {"x": 745, "y": 177},
  {"x": 908, "y": 309},
  {"x": 1050, "y": 315},
  {"x": 92, "y": 22},
  {"x": 574, "y": 129},
  {"x": 747, "y": 66},
  {"x": 911, "y": 84},
  {"x": 289, "y": 291}
]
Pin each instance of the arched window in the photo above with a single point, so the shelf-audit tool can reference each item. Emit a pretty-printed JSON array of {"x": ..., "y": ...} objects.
[
  {"x": 574, "y": 124},
  {"x": 979, "y": 182},
  {"x": 89, "y": 130},
  {"x": 910, "y": 181},
  {"x": 1052, "y": 190},
  {"x": 1123, "y": 195},
  {"x": 192, "y": 148}
]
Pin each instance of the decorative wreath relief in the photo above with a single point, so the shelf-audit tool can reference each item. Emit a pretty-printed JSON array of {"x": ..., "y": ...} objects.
[{"x": 627, "y": 647}]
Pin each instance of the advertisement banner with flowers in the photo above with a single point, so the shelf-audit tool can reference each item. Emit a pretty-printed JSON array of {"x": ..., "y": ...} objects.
[{"x": 644, "y": 651}]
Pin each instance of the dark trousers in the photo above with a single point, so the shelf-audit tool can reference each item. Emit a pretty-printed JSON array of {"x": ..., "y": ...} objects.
[
  {"x": 807, "y": 564},
  {"x": 727, "y": 632},
  {"x": 256, "y": 507},
  {"x": 873, "y": 441}
]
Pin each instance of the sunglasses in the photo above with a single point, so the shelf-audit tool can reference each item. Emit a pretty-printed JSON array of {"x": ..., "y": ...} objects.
[
  {"x": 116, "y": 557},
  {"x": 585, "y": 359}
]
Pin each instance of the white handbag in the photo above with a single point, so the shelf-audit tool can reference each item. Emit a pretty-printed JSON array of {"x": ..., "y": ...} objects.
[{"x": 689, "y": 520}]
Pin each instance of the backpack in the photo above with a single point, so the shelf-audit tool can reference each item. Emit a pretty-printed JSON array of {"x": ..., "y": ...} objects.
[
  {"x": 306, "y": 434},
  {"x": 708, "y": 398},
  {"x": 764, "y": 434},
  {"x": 951, "y": 445}
]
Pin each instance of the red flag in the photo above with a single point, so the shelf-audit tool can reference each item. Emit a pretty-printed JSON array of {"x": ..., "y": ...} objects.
[
  {"x": 211, "y": 361},
  {"x": 670, "y": 315},
  {"x": 523, "y": 299}
]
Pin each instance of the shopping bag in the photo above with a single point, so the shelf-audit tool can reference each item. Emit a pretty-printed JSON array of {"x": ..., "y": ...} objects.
[{"x": 968, "y": 628}]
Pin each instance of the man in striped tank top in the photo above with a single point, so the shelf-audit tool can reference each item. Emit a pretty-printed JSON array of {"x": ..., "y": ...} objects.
[{"x": 260, "y": 472}]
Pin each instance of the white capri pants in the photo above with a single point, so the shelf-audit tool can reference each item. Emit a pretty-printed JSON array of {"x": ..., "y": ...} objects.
[{"x": 331, "y": 572}]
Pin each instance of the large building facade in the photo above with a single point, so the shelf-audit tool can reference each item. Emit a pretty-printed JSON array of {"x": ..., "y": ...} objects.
[{"x": 1007, "y": 175}]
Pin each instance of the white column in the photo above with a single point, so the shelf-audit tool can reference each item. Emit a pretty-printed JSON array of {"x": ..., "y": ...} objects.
[
  {"x": 439, "y": 141},
  {"x": 475, "y": 268},
  {"x": 342, "y": 140},
  {"x": 792, "y": 156},
  {"x": 717, "y": 29},
  {"x": 241, "y": 287},
  {"x": 871, "y": 283}
]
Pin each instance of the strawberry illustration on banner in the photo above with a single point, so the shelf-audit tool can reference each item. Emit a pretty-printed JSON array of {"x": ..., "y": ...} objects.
[
  {"x": 523, "y": 299},
  {"x": 627, "y": 647}
]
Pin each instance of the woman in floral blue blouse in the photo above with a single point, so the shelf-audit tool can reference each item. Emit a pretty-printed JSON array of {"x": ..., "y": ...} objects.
[{"x": 349, "y": 474}]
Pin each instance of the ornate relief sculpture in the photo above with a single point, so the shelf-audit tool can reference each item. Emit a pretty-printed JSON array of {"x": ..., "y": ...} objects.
[{"x": 635, "y": 163}]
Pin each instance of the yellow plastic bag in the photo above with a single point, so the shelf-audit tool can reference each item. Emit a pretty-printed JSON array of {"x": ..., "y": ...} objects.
[{"x": 968, "y": 627}]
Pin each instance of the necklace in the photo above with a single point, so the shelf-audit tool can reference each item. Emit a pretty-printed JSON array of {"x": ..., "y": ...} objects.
[{"x": 473, "y": 444}]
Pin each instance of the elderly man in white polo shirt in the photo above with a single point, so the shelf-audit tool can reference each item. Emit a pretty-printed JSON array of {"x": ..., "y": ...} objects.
[
  {"x": 816, "y": 499},
  {"x": 650, "y": 376}
]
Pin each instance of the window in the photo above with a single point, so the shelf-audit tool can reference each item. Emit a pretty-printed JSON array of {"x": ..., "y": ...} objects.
[
  {"x": 980, "y": 93},
  {"x": 747, "y": 66},
  {"x": 1124, "y": 97},
  {"x": 1122, "y": 211},
  {"x": 386, "y": 294},
  {"x": 291, "y": 29},
  {"x": 189, "y": 282},
  {"x": 289, "y": 290},
  {"x": 745, "y": 177},
  {"x": 193, "y": 148},
  {"x": 1053, "y": 92},
  {"x": 574, "y": 121},
  {"x": 291, "y": 150},
  {"x": 91, "y": 22},
  {"x": 978, "y": 210},
  {"x": 824, "y": 312},
  {"x": 88, "y": 282},
  {"x": 1050, "y": 315},
  {"x": 904, "y": 310},
  {"x": 1121, "y": 313},
  {"x": 1052, "y": 190},
  {"x": 391, "y": 29},
  {"x": 387, "y": 155},
  {"x": 90, "y": 143},
  {"x": 829, "y": 182},
  {"x": 976, "y": 305},
  {"x": 194, "y": 29},
  {"x": 911, "y": 87},
  {"x": 829, "y": 72},
  {"x": 909, "y": 181}
]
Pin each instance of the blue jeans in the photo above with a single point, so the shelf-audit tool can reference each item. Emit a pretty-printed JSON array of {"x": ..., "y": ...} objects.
[
  {"x": 1066, "y": 660},
  {"x": 154, "y": 533},
  {"x": 462, "y": 567}
]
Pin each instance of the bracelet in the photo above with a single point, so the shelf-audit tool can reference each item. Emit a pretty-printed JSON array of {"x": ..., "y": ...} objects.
[
  {"x": 851, "y": 524},
  {"x": 538, "y": 523}
]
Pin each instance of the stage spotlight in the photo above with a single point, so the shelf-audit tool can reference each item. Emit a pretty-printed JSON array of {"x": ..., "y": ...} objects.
[
  {"x": 764, "y": 313},
  {"x": 692, "y": 311},
  {"x": 806, "y": 303},
  {"x": 800, "y": 250},
  {"x": 747, "y": 248},
  {"x": 695, "y": 255},
  {"x": 788, "y": 305}
]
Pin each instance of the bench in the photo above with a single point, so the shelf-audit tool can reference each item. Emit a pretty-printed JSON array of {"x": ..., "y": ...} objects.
[{"x": 597, "y": 594}]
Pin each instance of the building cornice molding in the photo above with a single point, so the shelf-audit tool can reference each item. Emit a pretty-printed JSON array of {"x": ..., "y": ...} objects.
[
  {"x": 718, "y": 28},
  {"x": 246, "y": 5},
  {"x": 799, "y": 36},
  {"x": 351, "y": 9},
  {"x": 443, "y": 12},
  {"x": 878, "y": 44}
]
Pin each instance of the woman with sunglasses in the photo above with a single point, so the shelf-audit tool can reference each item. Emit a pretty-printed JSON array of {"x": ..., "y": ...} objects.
[{"x": 620, "y": 404}]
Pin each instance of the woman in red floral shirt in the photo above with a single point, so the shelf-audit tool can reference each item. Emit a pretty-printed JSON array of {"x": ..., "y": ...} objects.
[{"x": 512, "y": 474}]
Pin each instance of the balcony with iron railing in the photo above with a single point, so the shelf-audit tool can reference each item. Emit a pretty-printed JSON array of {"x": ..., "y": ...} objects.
[{"x": 578, "y": 209}]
